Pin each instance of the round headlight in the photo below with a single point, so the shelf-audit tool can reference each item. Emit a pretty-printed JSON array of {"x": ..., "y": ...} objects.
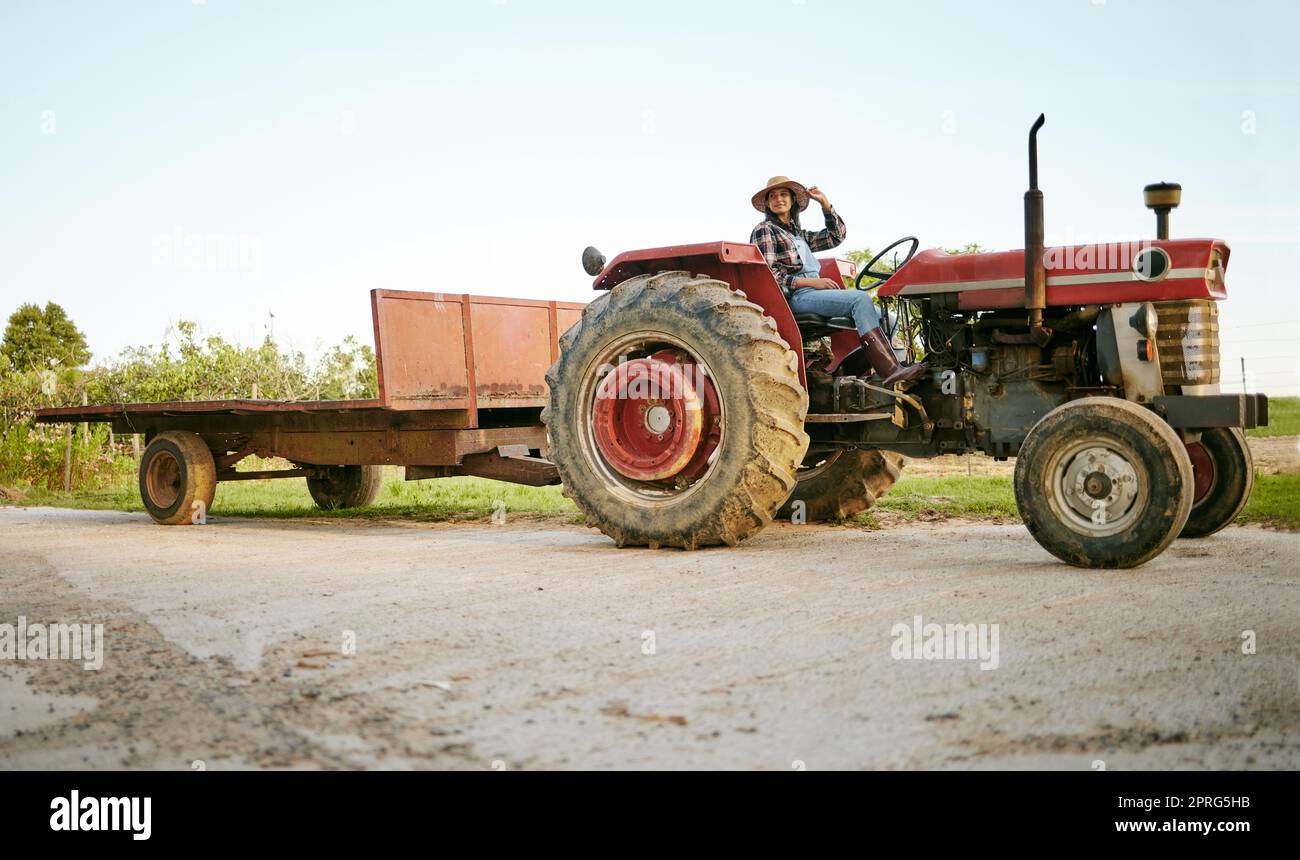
[{"x": 1151, "y": 264}]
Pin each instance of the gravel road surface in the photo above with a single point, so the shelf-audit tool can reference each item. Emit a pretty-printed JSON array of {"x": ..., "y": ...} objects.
[{"x": 329, "y": 644}]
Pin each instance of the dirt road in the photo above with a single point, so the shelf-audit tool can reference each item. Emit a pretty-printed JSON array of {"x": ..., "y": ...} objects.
[{"x": 536, "y": 645}]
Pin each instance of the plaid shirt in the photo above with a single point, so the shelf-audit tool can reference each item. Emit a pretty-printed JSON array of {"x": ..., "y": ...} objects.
[{"x": 777, "y": 244}]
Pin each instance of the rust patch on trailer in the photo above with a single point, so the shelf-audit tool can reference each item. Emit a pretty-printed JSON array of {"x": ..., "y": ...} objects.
[
  {"x": 437, "y": 348},
  {"x": 512, "y": 390},
  {"x": 445, "y": 392}
]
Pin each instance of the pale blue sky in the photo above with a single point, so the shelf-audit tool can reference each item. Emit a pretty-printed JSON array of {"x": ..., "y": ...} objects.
[{"x": 477, "y": 146}]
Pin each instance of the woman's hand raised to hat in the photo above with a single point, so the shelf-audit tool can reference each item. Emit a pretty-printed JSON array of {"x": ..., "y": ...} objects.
[{"x": 820, "y": 196}]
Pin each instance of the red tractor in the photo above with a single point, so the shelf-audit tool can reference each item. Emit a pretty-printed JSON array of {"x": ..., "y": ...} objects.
[{"x": 689, "y": 406}]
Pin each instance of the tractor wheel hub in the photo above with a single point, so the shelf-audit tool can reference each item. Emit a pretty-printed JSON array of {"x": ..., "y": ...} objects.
[
  {"x": 658, "y": 419},
  {"x": 648, "y": 420},
  {"x": 1099, "y": 484},
  {"x": 1202, "y": 471}
]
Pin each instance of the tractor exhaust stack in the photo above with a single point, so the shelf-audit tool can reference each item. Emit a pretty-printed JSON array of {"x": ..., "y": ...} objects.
[{"x": 1035, "y": 271}]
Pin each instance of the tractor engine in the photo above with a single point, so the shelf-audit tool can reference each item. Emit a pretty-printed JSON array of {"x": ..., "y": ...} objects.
[{"x": 1011, "y": 335}]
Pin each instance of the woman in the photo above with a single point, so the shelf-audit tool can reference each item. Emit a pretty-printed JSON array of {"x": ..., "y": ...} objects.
[{"x": 788, "y": 249}]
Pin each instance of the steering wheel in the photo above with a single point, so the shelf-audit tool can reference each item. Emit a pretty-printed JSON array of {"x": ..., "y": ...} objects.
[{"x": 881, "y": 277}]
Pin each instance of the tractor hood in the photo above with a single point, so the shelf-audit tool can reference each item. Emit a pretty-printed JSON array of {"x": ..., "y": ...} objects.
[{"x": 1105, "y": 273}]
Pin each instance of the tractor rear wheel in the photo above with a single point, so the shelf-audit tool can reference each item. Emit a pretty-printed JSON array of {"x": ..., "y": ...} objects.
[
  {"x": 1223, "y": 477},
  {"x": 1101, "y": 482},
  {"x": 841, "y": 485},
  {"x": 345, "y": 486},
  {"x": 676, "y": 413},
  {"x": 178, "y": 478}
]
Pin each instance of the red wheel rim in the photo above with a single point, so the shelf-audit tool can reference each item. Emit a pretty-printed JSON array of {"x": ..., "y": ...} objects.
[
  {"x": 649, "y": 417},
  {"x": 163, "y": 478},
  {"x": 1202, "y": 471}
]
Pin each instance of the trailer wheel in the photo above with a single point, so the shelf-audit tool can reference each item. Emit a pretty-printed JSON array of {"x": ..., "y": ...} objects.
[
  {"x": 1103, "y": 483},
  {"x": 1223, "y": 477},
  {"x": 676, "y": 413},
  {"x": 844, "y": 484},
  {"x": 345, "y": 486},
  {"x": 178, "y": 478}
]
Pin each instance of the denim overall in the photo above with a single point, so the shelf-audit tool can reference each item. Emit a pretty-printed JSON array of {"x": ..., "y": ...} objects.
[{"x": 831, "y": 303}]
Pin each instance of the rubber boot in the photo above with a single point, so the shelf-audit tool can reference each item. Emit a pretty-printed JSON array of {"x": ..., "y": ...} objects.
[{"x": 883, "y": 361}]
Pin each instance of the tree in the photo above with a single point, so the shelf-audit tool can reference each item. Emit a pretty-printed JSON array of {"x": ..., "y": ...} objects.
[
  {"x": 37, "y": 339},
  {"x": 863, "y": 255}
]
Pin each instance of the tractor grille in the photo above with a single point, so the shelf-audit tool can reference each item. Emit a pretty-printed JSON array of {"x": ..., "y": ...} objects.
[{"x": 1188, "y": 341}]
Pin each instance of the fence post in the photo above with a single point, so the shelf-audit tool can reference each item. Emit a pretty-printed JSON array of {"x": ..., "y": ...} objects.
[
  {"x": 85, "y": 425},
  {"x": 67, "y": 458}
]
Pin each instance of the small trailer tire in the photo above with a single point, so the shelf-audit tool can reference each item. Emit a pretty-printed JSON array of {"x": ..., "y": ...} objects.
[
  {"x": 178, "y": 478},
  {"x": 346, "y": 487}
]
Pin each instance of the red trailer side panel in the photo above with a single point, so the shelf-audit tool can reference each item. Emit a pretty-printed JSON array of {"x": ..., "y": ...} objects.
[{"x": 454, "y": 351}]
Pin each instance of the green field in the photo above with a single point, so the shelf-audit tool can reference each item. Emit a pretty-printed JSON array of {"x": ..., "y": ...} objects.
[
  {"x": 1283, "y": 418},
  {"x": 1275, "y": 502}
]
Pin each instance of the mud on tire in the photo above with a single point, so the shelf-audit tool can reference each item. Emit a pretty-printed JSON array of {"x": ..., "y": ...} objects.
[
  {"x": 754, "y": 371},
  {"x": 848, "y": 483}
]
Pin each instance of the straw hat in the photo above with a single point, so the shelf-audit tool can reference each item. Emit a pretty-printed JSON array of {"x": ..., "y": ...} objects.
[{"x": 800, "y": 193}]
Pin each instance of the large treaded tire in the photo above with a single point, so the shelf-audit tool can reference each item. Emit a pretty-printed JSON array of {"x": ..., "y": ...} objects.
[
  {"x": 346, "y": 487},
  {"x": 178, "y": 478},
  {"x": 763, "y": 406},
  {"x": 1233, "y": 470},
  {"x": 849, "y": 485},
  {"x": 1080, "y": 432}
]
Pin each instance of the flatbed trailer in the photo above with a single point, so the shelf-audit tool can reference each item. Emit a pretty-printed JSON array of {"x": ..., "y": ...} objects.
[{"x": 461, "y": 382}]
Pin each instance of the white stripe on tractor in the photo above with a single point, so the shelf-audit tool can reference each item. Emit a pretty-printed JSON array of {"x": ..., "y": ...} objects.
[{"x": 1052, "y": 281}]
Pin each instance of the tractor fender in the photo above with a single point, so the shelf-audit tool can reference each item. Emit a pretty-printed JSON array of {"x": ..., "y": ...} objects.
[{"x": 740, "y": 265}]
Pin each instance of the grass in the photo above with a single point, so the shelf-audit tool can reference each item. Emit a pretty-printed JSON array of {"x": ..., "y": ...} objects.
[
  {"x": 975, "y": 496},
  {"x": 1275, "y": 501},
  {"x": 1283, "y": 418},
  {"x": 428, "y": 501}
]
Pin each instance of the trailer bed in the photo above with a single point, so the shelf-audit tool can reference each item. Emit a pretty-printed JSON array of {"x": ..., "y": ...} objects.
[{"x": 461, "y": 382}]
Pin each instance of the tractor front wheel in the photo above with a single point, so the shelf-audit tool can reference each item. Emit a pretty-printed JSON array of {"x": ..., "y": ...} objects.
[
  {"x": 1104, "y": 483},
  {"x": 841, "y": 484},
  {"x": 676, "y": 413},
  {"x": 1223, "y": 477}
]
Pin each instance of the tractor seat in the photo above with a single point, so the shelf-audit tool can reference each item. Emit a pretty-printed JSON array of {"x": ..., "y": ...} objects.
[{"x": 813, "y": 326}]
